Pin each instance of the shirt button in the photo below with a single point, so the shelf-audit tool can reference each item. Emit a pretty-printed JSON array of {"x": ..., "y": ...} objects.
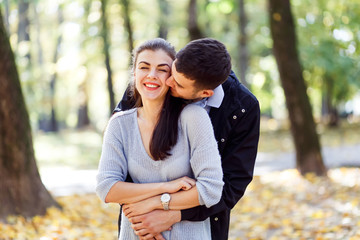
[
  {"x": 234, "y": 117},
  {"x": 216, "y": 219},
  {"x": 222, "y": 140},
  {"x": 243, "y": 110}
]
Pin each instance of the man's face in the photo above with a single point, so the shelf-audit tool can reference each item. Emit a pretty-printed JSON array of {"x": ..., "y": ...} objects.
[{"x": 181, "y": 86}]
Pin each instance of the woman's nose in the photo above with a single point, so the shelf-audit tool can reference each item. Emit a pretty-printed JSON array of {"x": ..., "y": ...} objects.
[{"x": 152, "y": 73}]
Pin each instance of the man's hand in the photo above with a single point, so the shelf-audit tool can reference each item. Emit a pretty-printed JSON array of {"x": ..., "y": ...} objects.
[{"x": 150, "y": 225}]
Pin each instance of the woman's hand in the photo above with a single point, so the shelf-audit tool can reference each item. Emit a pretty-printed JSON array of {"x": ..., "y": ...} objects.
[
  {"x": 142, "y": 207},
  {"x": 183, "y": 183},
  {"x": 150, "y": 204}
]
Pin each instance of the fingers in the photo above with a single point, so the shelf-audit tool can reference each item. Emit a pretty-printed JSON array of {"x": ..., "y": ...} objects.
[
  {"x": 147, "y": 237},
  {"x": 135, "y": 219},
  {"x": 128, "y": 212},
  {"x": 188, "y": 183},
  {"x": 191, "y": 181},
  {"x": 159, "y": 237},
  {"x": 143, "y": 233},
  {"x": 137, "y": 226},
  {"x": 186, "y": 186}
]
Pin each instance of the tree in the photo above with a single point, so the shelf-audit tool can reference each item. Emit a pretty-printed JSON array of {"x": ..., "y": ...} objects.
[
  {"x": 22, "y": 192},
  {"x": 53, "y": 125},
  {"x": 193, "y": 26},
  {"x": 104, "y": 34},
  {"x": 24, "y": 23},
  {"x": 128, "y": 26},
  {"x": 163, "y": 18},
  {"x": 243, "y": 50},
  {"x": 307, "y": 145},
  {"x": 331, "y": 47},
  {"x": 83, "y": 119}
]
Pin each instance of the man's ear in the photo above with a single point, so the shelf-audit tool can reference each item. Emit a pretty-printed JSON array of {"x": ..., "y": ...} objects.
[{"x": 206, "y": 93}]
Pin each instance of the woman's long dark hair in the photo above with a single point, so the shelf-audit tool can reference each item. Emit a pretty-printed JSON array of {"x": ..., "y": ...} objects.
[
  {"x": 166, "y": 130},
  {"x": 165, "y": 133}
]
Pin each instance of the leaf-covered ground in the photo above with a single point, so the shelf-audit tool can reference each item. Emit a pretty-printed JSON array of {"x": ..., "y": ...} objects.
[
  {"x": 284, "y": 205},
  {"x": 279, "y": 205}
]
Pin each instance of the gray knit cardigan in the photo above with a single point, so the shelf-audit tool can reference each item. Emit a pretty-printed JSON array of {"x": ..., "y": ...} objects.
[{"x": 195, "y": 155}]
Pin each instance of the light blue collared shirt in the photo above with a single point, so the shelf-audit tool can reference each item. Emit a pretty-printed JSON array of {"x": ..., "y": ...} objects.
[{"x": 214, "y": 101}]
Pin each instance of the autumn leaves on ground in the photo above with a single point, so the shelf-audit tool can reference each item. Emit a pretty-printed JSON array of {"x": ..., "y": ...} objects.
[
  {"x": 276, "y": 206},
  {"x": 279, "y": 205}
]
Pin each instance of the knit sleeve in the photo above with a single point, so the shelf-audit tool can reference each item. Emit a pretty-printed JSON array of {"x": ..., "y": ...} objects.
[
  {"x": 205, "y": 159},
  {"x": 113, "y": 165}
]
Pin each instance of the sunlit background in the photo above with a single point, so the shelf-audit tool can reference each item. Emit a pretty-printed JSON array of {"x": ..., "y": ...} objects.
[
  {"x": 60, "y": 48},
  {"x": 65, "y": 44}
]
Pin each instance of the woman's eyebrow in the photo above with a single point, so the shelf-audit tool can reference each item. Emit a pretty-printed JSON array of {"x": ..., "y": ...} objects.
[
  {"x": 160, "y": 65},
  {"x": 164, "y": 64},
  {"x": 144, "y": 62}
]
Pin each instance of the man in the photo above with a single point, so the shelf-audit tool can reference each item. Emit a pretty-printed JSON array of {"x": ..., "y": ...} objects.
[{"x": 202, "y": 73}]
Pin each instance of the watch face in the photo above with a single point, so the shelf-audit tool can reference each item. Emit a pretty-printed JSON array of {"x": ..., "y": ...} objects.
[{"x": 165, "y": 197}]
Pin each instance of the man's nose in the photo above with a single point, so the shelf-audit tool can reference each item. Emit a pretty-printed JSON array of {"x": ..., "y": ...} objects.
[{"x": 170, "y": 82}]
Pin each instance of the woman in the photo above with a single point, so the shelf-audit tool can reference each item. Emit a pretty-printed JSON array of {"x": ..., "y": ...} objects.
[{"x": 162, "y": 145}]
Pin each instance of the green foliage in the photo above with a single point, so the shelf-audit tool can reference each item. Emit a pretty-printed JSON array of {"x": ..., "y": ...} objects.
[
  {"x": 327, "y": 31},
  {"x": 327, "y": 46}
]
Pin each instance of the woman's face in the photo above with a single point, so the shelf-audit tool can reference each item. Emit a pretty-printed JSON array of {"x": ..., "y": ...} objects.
[{"x": 151, "y": 71}]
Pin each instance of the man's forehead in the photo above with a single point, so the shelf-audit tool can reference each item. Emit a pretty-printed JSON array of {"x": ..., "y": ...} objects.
[{"x": 180, "y": 78}]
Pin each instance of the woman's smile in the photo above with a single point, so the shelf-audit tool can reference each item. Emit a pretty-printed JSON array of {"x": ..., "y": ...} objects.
[{"x": 151, "y": 85}]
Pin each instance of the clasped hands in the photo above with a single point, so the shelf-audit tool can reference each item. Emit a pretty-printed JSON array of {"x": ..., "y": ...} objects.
[{"x": 147, "y": 217}]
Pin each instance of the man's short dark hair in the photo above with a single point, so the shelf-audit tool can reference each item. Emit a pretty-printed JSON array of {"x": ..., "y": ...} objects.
[{"x": 206, "y": 61}]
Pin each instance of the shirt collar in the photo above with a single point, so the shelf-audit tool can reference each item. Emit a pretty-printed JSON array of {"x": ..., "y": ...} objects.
[{"x": 216, "y": 99}]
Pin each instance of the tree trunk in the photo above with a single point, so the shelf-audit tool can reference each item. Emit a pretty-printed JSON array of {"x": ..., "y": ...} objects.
[
  {"x": 24, "y": 23},
  {"x": 307, "y": 145},
  {"x": 329, "y": 112},
  {"x": 163, "y": 18},
  {"x": 53, "y": 124},
  {"x": 22, "y": 192},
  {"x": 104, "y": 34},
  {"x": 193, "y": 26},
  {"x": 83, "y": 115},
  {"x": 243, "y": 51},
  {"x": 128, "y": 26},
  {"x": 40, "y": 54}
]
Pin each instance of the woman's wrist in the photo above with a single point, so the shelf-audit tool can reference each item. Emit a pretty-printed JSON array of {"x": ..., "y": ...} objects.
[
  {"x": 155, "y": 202},
  {"x": 164, "y": 187}
]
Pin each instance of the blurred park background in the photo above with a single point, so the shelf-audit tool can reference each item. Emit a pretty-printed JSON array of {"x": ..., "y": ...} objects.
[{"x": 73, "y": 60}]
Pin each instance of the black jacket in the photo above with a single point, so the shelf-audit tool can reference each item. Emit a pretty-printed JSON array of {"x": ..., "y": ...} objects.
[{"x": 236, "y": 124}]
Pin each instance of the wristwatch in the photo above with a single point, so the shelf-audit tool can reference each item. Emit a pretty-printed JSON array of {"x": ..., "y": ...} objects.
[{"x": 165, "y": 200}]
